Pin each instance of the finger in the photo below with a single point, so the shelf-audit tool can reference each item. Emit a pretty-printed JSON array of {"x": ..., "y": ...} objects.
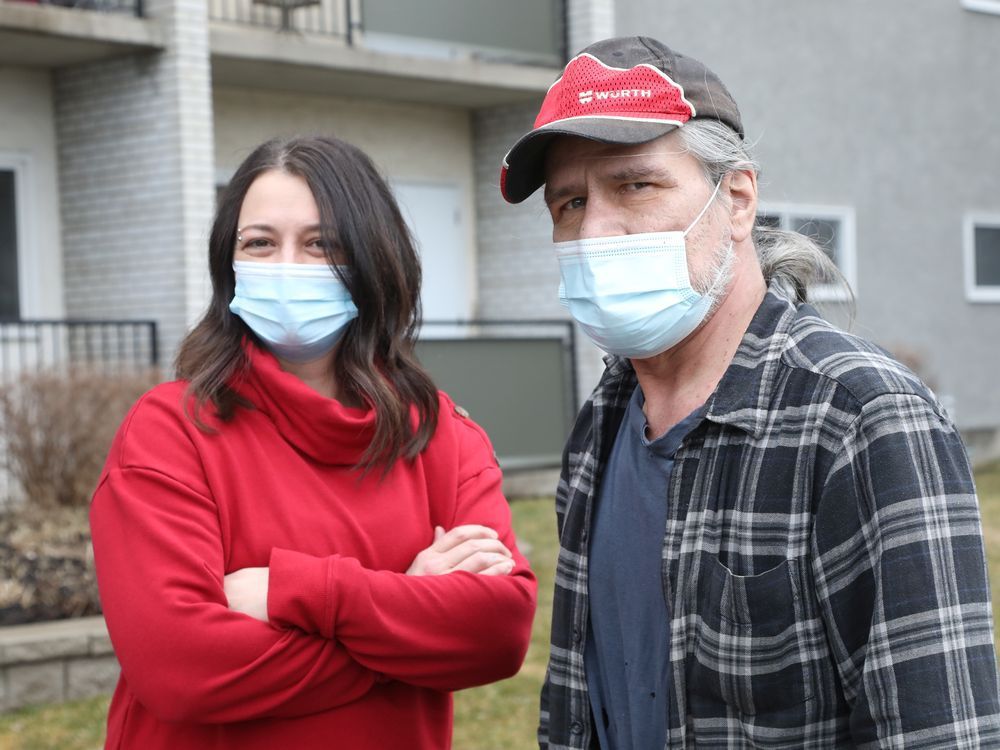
[
  {"x": 502, "y": 568},
  {"x": 461, "y": 534},
  {"x": 456, "y": 555},
  {"x": 480, "y": 562},
  {"x": 438, "y": 532}
]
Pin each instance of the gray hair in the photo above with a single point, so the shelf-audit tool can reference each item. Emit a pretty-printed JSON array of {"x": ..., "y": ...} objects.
[{"x": 791, "y": 259}]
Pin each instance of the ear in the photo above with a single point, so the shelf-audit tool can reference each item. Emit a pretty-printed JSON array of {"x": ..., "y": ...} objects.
[{"x": 742, "y": 187}]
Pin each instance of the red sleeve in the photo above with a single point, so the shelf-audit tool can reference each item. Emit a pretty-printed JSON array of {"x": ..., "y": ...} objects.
[
  {"x": 446, "y": 632},
  {"x": 183, "y": 652}
]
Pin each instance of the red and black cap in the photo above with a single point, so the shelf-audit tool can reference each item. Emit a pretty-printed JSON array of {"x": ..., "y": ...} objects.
[{"x": 625, "y": 90}]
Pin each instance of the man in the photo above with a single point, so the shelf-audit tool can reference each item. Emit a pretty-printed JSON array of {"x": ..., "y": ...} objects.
[{"x": 769, "y": 529}]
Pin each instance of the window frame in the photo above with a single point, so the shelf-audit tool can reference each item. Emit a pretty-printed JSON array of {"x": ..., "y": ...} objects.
[
  {"x": 976, "y": 292},
  {"x": 28, "y": 263},
  {"x": 982, "y": 6},
  {"x": 846, "y": 255}
]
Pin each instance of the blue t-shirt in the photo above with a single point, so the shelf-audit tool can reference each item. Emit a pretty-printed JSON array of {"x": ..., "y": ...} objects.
[{"x": 627, "y": 657}]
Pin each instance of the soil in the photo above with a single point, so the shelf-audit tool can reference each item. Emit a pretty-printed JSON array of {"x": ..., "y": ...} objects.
[{"x": 46, "y": 565}]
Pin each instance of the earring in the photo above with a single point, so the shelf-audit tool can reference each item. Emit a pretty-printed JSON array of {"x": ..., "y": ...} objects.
[{"x": 239, "y": 237}]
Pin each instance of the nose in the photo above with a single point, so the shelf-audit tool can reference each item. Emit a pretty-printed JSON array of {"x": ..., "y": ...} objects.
[
  {"x": 600, "y": 219},
  {"x": 291, "y": 251}
]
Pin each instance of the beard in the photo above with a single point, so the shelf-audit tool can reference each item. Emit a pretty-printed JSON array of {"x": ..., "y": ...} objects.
[{"x": 713, "y": 281}]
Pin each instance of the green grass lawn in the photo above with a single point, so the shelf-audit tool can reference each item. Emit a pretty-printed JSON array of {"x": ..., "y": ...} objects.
[
  {"x": 495, "y": 717},
  {"x": 502, "y": 716}
]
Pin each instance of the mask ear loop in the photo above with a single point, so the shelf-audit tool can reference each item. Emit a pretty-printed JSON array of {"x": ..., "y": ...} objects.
[{"x": 704, "y": 208}]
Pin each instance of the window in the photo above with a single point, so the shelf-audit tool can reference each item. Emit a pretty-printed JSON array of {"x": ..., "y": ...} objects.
[
  {"x": 10, "y": 298},
  {"x": 833, "y": 230},
  {"x": 981, "y": 240}
]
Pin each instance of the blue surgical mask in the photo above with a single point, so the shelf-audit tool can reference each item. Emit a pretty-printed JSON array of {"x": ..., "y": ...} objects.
[
  {"x": 299, "y": 310},
  {"x": 631, "y": 294}
]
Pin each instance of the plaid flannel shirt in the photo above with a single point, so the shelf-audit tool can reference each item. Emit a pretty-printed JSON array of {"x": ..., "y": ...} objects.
[{"x": 822, "y": 559}]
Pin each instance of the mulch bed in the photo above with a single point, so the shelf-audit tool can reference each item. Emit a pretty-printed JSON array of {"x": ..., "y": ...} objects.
[{"x": 46, "y": 565}]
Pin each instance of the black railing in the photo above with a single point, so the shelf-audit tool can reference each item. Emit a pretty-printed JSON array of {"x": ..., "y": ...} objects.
[
  {"x": 326, "y": 17},
  {"x": 112, "y": 346},
  {"x": 131, "y": 7}
]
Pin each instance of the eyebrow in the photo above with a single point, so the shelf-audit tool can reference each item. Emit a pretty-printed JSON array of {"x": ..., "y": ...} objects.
[
  {"x": 269, "y": 228},
  {"x": 638, "y": 173},
  {"x": 551, "y": 196},
  {"x": 625, "y": 173}
]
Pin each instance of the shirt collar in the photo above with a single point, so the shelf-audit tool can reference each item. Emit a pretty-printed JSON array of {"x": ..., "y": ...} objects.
[{"x": 742, "y": 397}]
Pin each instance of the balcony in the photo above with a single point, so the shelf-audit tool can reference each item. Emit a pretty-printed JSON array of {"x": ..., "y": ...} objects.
[
  {"x": 484, "y": 53},
  {"x": 55, "y": 33}
]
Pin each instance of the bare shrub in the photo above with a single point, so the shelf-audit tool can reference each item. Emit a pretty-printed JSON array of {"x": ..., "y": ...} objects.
[{"x": 58, "y": 427}]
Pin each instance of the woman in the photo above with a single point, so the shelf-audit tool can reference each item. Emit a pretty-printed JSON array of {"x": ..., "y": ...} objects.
[{"x": 302, "y": 543}]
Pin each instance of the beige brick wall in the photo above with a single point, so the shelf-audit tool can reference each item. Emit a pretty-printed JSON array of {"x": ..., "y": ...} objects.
[
  {"x": 588, "y": 21},
  {"x": 518, "y": 274},
  {"x": 136, "y": 178}
]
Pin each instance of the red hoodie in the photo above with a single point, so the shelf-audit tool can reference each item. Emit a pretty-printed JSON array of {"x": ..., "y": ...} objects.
[{"x": 357, "y": 654}]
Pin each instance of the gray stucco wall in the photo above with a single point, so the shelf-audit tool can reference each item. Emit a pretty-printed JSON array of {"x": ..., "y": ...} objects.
[{"x": 889, "y": 108}]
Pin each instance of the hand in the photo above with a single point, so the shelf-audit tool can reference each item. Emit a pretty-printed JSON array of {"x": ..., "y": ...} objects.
[
  {"x": 474, "y": 549},
  {"x": 246, "y": 591}
]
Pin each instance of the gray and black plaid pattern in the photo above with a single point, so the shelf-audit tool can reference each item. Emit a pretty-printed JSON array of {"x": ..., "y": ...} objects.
[{"x": 823, "y": 557}]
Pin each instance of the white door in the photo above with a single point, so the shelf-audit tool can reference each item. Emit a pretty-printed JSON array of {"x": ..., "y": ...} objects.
[{"x": 433, "y": 212}]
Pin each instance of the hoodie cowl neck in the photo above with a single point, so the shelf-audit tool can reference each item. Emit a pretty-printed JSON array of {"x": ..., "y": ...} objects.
[{"x": 321, "y": 427}]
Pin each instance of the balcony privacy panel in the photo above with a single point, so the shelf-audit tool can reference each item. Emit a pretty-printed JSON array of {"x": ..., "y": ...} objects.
[
  {"x": 520, "y": 390},
  {"x": 524, "y": 31}
]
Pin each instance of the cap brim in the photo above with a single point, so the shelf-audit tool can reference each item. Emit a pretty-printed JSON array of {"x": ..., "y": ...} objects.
[{"x": 523, "y": 169}]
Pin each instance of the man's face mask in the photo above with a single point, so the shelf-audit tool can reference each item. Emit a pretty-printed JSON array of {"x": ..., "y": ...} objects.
[{"x": 631, "y": 294}]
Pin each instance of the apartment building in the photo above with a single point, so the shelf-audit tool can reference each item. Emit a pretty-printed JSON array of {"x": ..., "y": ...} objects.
[{"x": 875, "y": 124}]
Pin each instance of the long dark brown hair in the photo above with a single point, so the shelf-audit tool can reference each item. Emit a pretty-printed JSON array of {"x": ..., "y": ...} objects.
[{"x": 375, "y": 363}]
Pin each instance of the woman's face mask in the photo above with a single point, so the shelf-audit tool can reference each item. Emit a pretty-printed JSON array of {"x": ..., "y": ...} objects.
[{"x": 299, "y": 310}]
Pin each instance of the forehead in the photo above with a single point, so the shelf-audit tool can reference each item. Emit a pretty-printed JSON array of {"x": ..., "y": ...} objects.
[
  {"x": 572, "y": 156},
  {"x": 279, "y": 192}
]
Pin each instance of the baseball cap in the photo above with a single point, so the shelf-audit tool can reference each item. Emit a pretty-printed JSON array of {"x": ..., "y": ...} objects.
[{"x": 624, "y": 90}]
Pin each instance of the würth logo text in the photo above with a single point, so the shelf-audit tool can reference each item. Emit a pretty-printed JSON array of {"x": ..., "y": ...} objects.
[{"x": 586, "y": 97}]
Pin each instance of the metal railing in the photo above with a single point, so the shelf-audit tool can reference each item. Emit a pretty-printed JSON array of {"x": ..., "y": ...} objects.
[
  {"x": 131, "y": 7},
  {"x": 111, "y": 346},
  {"x": 326, "y": 17}
]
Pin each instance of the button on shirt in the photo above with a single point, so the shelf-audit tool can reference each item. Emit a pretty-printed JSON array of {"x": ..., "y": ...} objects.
[{"x": 628, "y": 644}]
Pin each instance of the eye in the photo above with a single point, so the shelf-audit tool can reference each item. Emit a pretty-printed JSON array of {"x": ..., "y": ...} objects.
[
  {"x": 257, "y": 245},
  {"x": 574, "y": 203},
  {"x": 635, "y": 186},
  {"x": 319, "y": 246}
]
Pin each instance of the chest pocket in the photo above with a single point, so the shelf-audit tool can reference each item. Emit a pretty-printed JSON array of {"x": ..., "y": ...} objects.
[{"x": 752, "y": 651}]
